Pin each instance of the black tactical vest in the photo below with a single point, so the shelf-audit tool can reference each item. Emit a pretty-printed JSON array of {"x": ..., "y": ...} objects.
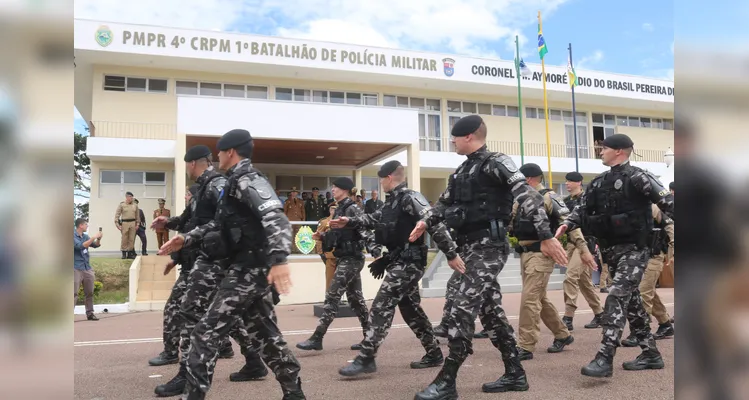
[
  {"x": 204, "y": 211},
  {"x": 658, "y": 237},
  {"x": 571, "y": 202},
  {"x": 395, "y": 225},
  {"x": 615, "y": 212},
  {"x": 347, "y": 240},
  {"x": 241, "y": 228},
  {"x": 523, "y": 229},
  {"x": 477, "y": 199}
]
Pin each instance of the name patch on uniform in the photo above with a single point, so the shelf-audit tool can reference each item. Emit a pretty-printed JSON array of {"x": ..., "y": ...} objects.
[
  {"x": 515, "y": 178},
  {"x": 269, "y": 204},
  {"x": 663, "y": 193}
]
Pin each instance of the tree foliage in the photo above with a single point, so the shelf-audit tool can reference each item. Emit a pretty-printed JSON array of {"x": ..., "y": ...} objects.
[{"x": 81, "y": 174}]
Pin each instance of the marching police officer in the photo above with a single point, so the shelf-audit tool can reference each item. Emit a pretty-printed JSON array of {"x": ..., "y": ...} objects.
[
  {"x": 477, "y": 205},
  {"x": 617, "y": 210},
  {"x": 403, "y": 267},
  {"x": 579, "y": 278},
  {"x": 185, "y": 258},
  {"x": 348, "y": 243},
  {"x": 661, "y": 242},
  {"x": 127, "y": 220},
  {"x": 206, "y": 274},
  {"x": 252, "y": 233},
  {"x": 536, "y": 269}
]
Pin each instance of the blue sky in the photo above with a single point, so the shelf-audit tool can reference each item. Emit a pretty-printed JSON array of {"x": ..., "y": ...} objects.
[{"x": 633, "y": 38}]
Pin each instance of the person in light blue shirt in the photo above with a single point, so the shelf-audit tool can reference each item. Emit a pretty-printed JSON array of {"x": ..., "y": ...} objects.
[{"x": 81, "y": 265}]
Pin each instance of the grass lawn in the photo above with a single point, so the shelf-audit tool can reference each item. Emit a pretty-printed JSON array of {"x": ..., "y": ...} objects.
[{"x": 114, "y": 274}]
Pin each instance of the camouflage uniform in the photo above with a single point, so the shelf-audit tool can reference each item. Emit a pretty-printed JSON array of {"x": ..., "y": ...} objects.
[
  {"x": 172, "y": 318},
  {"x": 347, "y": 279},
  {"x": 393, "y": 224},
  {"x": 202, "y": 283},
  {"x": 252, "y": 233},
  {"x": 477, "y": 204},
  {"x": 617, "y": 209}
]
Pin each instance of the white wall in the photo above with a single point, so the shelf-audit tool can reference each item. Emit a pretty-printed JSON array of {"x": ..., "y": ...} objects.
[
  {"x": 297, "y": 121},
  {"x": 146, "y": 149},
  {"x": 449, "y": 161}
]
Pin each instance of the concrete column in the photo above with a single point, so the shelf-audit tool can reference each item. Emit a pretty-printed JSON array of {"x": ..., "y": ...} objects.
[
  {"x": 357, "y": 179},
  {"x": 413, "y": 169},
  {"x": 179, "y": 174}
]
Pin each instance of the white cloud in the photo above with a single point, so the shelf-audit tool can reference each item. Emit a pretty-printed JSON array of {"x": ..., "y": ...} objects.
[
  {"x": 648, "y": 27},
  {"x": 463, "y": 26},
  {"x": 586, "y": 61}
]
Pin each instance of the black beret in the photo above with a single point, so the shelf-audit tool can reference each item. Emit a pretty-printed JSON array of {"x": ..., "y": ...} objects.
[
  {"x": 618, "y": 141},
  {"x": 136, "y": 201},
  {"x": 531, "y": 170},
  {"x": 233, "y": 139},
  {"x": 467, "y": 125},
  {"x": 388, "y": 168},
  {"x": 574, "y": 177},
  {"x": 315, "y": 188},
  {"x": 129, "y": 194},
  {"x": 344, "y": 183},
  {"x": 197, "y": 152},
  {"x": 671, "y": 186}
]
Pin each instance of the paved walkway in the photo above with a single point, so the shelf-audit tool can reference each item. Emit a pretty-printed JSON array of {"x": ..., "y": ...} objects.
[{"x": 111, "y": 361}]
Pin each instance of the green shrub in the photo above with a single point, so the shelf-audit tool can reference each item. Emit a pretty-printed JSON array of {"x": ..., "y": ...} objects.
[{"x": 98, "y": 286}]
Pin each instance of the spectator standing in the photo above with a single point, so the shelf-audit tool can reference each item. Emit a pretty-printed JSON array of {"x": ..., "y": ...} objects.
[{"x": 81, "y": 265}]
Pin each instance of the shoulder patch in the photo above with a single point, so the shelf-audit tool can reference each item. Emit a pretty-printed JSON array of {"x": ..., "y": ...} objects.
[
  {"x": 419, "y": 198},
  {"x": 509, "y": 164},
  {"x": 261, "y": 186}
]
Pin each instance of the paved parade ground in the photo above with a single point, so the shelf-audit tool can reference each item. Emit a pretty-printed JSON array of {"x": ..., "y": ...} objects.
[{"x": 111, "y": 361}]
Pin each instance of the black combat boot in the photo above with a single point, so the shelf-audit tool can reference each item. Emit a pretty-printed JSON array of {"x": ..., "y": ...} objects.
[
  {"x": 313, "y": 343},
  {"x": 226, "y": 350},
  {"x": 665, "y": 330},
  {"x": 124, "y": 255},
  {"x": 648, "y": 359},
  {"x": 440, "y": 331},
  {"x": 568, "y": 322},
  {"x": 174, "y": 387},
  {"x": 164, "y": 358},
  {"x": 145, "y": 253},
  {"x": 513, "y": 380},
  {"x": 252, "y": 370},
  {"x": 601, "y": 367},
  {"x": 132, "y": 255},
  {"x": 443, "y": 387},
  {"x": 481, "y": 335},
  {"x": 524, "y": 354},
  {"x": 294, "y": 393},
  {"x": 595, "y": 322},
  {"x": 559, "y": 344},
  {"x": 192, "y": 393},
  {"x": 358, "y": 346},
  {"x": 631, "y": 341},
  {"x": 360, "y": 365},
  {"x": 432, "y": 359}
]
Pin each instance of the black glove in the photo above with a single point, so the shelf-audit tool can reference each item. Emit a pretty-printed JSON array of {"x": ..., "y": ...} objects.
[{"x": 377, "y": 267}]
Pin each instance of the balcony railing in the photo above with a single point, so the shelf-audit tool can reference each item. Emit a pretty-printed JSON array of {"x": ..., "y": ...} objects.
[
  {"x": 134, "y": 130},
  {"x": 568, "y": 151}
]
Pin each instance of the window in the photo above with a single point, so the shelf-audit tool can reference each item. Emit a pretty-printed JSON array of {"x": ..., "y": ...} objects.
[
  {"x": 143, "y": 184},
  {"x": 370, "y": 99},
  {"x": 234, "y": 91},
  {"x": 257, "y": 92},
  {"x": 430, "y": 119},
  {"x": 302, "y": 95},
  {"x": 210, "y": 89},
  {"x": 337, "y": 97},
  {"x": 485, "y": 109},
  {"x": 369, "y": 184},
  {"x": 190, "y": 88},
  {"x": 353, "y": 98},
  {"x": 513, "y": 111},
  {"x": 531, "y": 112},
  {"x": 555, "y": 115},
  {"x": 320, "y": 96},
  {"x": 500, "y": 111},
  {"x": 283, "y": 94},
  {"x": 131, "y": 84},
  {"x": 611, "y": 121}
]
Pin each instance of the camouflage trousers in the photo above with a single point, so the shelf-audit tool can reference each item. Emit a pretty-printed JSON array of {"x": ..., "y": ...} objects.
[
  {"x": 347, "y": 280},
  {"x": 202, "y": 285},
  {"x": 244, "y": 298},
  {"x": 449, "y": 295},
  {"x": 172, "y": 316},
  {"x": 627, "y": 264},
  {"x": 400, "y": 288},
  {"x": 477, "y": 292}
]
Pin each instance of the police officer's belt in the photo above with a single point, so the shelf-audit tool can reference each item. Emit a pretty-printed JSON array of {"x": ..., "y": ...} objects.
[
  {"x": 531, "y": 248},
  {"x": 479, "y": 231},
  {"x": 129, "y": 220}
]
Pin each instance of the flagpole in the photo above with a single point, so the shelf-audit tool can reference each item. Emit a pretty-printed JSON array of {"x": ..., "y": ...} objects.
[
  {"x": 574, "y": 115},
  {"x": 546, "y": 110},
  {"x": 520, "y": 101}
]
